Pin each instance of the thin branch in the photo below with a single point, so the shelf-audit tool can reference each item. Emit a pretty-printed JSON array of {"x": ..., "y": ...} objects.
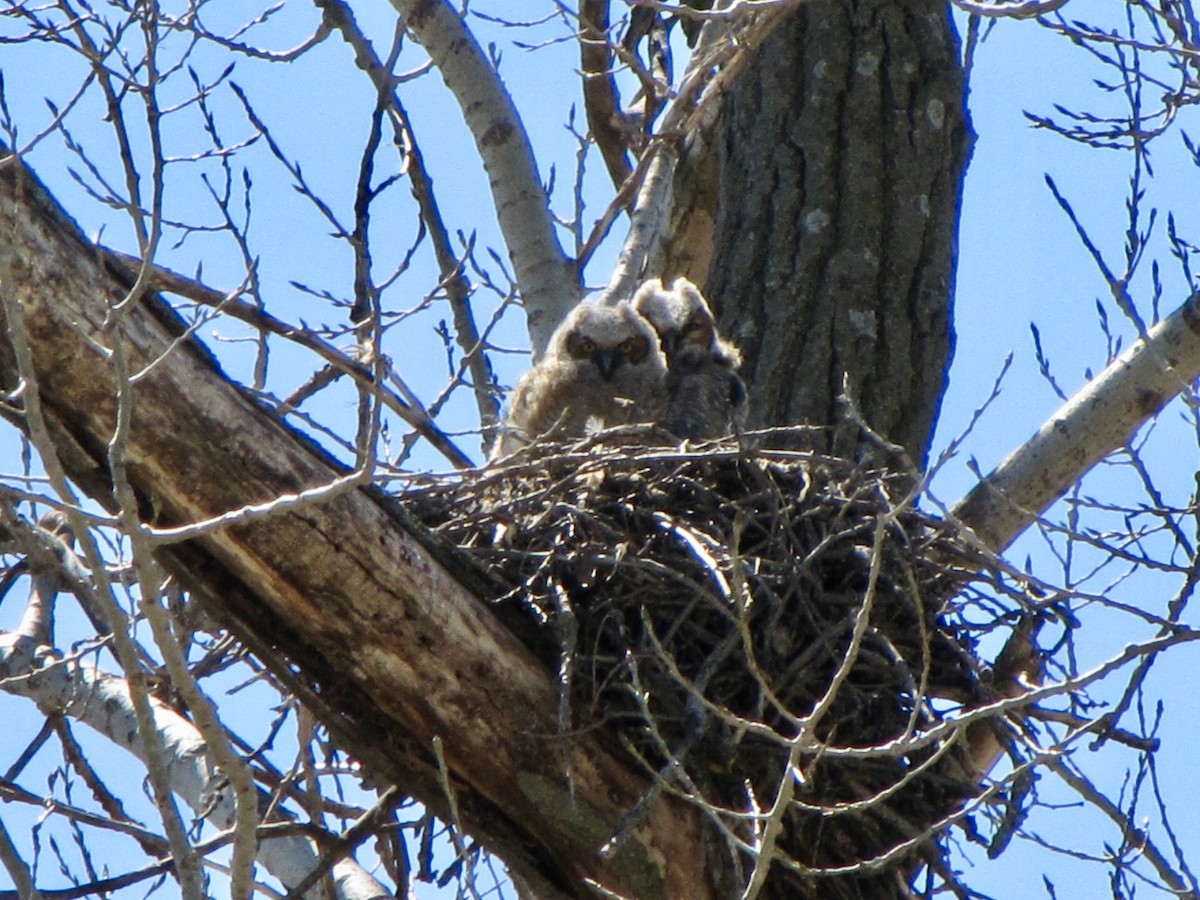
[
  {"x": 163, "y": 279},
  {"x": 458, "y": 289},
  {"x": 16, "y": 867},
  {"x": 549, "y": 285},
  {"x": 1009, "y": 9},
  {"x": 362, "y": 828},
  {"x": 1129, "y": 832},
  {"x": 717, "y": 61}
]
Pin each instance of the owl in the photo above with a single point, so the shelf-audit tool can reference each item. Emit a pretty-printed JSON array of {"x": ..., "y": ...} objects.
[
  {"x": 603, "y": 367},
  {"x": 705, "y": 396}
]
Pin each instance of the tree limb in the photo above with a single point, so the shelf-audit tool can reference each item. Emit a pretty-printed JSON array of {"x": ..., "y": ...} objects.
[
  {"x": 646, "y": 225},
  {"x": 377, "y": 625},
  {"x": 601, "y": 99},
  {"x": 1099, "y": 419},
  {"x": 549, "y": 285},
  {"x": 103, "y": 702}
]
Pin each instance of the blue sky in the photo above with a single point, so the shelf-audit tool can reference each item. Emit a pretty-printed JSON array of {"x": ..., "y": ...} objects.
[{"x": 1020, "y": 263}]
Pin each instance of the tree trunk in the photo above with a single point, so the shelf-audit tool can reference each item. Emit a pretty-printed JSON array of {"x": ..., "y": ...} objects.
[
  {"x": 840, "y": 156},
  {"x": 378, "y": 627},
  {"x": 841, "y": 153}
]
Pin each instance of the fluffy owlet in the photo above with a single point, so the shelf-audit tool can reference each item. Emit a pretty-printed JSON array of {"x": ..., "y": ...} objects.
[
  {"x": 603, "y": 367},
  {"x": 705, "y": 397}
]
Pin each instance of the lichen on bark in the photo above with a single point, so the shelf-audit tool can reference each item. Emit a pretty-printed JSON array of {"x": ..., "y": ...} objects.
[{"x": 839, "y": 156}]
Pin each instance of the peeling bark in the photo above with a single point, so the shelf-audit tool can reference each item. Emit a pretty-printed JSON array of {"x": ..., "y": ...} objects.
[{"x": 353, "y": 605}]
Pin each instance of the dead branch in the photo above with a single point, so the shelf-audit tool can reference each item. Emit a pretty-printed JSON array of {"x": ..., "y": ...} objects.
[{"x": 393, "y": 648}]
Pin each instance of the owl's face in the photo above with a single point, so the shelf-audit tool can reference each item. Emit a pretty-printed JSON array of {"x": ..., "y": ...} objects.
[
  {"x": 679, "y": 315},
  {"x": 630, "y": 351},
  {"x": 614, "y": 339}
]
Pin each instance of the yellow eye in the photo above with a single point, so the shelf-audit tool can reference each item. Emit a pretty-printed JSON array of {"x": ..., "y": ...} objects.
[
  {"x": 582, "y": 348},
  {"x": 634, "y": 349}
]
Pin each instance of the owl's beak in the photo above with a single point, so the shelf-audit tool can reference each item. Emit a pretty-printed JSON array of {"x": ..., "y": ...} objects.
[{"x": 606, "y": 361}]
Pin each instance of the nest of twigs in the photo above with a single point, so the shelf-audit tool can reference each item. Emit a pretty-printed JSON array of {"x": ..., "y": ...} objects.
[{"x": 751, "y": 627}]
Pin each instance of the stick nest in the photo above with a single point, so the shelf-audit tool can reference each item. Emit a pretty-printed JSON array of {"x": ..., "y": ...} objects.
[{"x": 758, "y": 631}]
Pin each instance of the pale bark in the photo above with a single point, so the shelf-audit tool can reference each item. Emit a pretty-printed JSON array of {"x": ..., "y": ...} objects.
[
  {"x": 646, "y": 224},
  {"x": 1102, "y": 418},
  {"x": 74, "y": 687},
  {"x": 102, "y": 702},
  {"x": 393, "y": 650},
  {"x": 548, "y": 281}
]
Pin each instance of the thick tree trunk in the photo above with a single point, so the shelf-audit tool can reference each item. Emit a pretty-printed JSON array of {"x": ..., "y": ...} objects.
[
  {"x": 840, "y": 154},
  {"x": 354, "y": 606}
]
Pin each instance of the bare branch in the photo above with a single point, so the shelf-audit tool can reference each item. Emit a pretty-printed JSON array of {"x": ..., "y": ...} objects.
[
  {"x": 105, "y": 703},
  {"x": 646, "y": 225},
  {"x": 600, "y": 98},
  {"x": 457, "y": 286},
  {"x": 351, "y": 583},
  {"x": 18, "y": 870},
  {"x": 163, "y": 279},
  {"x": 1101, "y": 418},
  {"x": 549, "y": 285},
  {"x": 1017, "y": 9}
]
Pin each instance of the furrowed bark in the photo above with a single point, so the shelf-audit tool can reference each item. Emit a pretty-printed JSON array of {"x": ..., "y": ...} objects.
[
  {"x": 840, "y": 156},
  {"x": 349, "y": 602}
]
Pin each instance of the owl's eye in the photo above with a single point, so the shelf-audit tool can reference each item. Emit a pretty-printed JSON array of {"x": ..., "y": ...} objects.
[
  {"x": 633, "y": 349},
  {"x": 582, "y": 348}
]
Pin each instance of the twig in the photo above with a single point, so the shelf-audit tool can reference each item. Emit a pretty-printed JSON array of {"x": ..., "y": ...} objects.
[
  {"x": 16, "y": 867},
  {"x": 458, "y": 288},
  {"x": 358, "y": 831},
  {"x": 1010, "y": 9},
  {"x": 164, "y": 279},
  {"x": 549, "y": 286}
]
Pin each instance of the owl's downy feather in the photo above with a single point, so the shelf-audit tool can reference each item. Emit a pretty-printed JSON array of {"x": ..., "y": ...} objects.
[
  {"x": 705, "y": 396},
  {"x": 603, "y": 366}
]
